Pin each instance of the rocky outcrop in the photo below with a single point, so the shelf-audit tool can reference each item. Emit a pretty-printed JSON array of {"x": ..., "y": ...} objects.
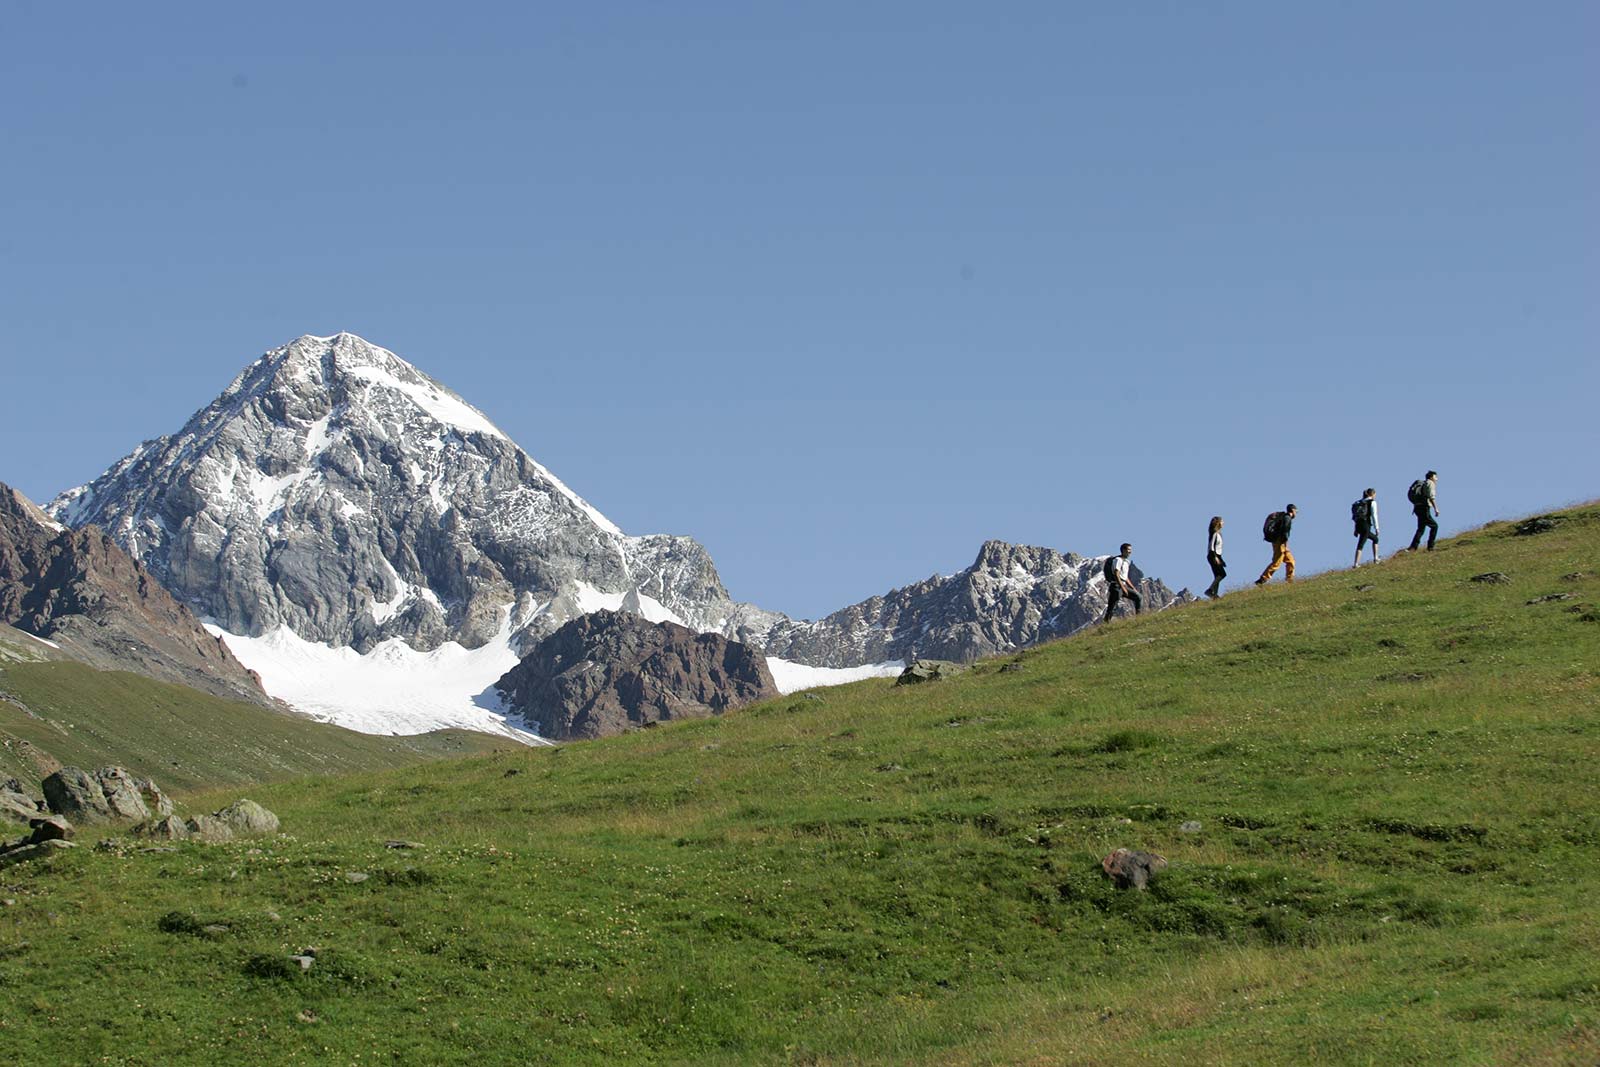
[
  {"x": 929, "y": 670},
  {"x": 1011, "y": 597},
  {"x": 611, "y": 671},
  {"x": 82, "y": 592},
  {"x": 246, "y": 817},
  {"x": 76, "y": 794}
]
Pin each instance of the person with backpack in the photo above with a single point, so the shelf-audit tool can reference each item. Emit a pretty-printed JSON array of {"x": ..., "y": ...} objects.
[
  {"x": 1219, "y": 566},
  {"x": 1364, "y": 513},
  {"x": 1424, "y": 497},
  {"x": 1275, "y": 531},
  {"x": 1119, "y": 585}
]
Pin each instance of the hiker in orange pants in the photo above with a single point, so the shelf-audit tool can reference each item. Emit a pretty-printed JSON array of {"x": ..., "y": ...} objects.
[{"x": 1276, "y": 530}]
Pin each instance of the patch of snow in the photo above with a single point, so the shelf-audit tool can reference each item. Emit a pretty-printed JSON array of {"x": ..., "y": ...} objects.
[
  {"x": 394, "y": 689},
  {"x": 443, "y": 407},
  {"x": 793, "y": 677},
  {"x": 39, "y": 639}
]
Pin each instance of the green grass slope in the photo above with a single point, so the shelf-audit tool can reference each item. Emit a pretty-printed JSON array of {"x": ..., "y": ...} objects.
[
  {"x": 54, "y": 711},
  {"x": 1393, "y": 771}
]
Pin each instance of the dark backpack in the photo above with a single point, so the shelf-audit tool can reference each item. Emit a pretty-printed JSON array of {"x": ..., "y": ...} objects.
[
  {"x": 1418, "y": 493},
  {"x": 1361, "y": 512},
  {"x": 1111, "y": 569},
  {"x": 1272, "y": 529}
]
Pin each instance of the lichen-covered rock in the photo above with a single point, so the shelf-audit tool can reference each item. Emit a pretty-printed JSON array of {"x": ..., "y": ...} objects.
[
  {"x": 1132, "y": 869},
  {"x": 611, "y": 671},
  {"x": 34, "y": 851},
  {"x": 16, "y": 805},
  {"x": 208, "y": 828},
  {"x": 245, "y": 817},
  {"x": 76, "y": 794},
  {"x": 122, "y": 794}
]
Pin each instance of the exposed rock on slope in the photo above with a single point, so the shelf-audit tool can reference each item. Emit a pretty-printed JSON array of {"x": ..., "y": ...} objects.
[
  {"x": 81, "y": 591},
  {"x": 1011, "y": 596},
  {"x": 608, "y": 671}
]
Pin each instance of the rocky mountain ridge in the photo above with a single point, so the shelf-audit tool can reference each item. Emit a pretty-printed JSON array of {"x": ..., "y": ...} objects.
[
  {"x": 335, "y": 491},
  {"x": 78, "y": 590}
]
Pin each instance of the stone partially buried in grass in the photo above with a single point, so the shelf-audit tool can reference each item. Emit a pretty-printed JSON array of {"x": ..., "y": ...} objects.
[
  {"x": 245, "y": 817},
  {"x": 1132, "y": 869}
]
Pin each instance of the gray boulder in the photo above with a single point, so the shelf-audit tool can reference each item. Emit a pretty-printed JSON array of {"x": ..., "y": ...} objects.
[
  {"x": 246, "y": 817},
  {"x": 208, "y": 828},
  {"x": 77, "y": 795},
  {"x": 122, "y": 793},
  {"x": 929, "y": 670},
  {"x": 1132, "y": 869},
  {"x": 16, "y": 805},
  {"x": 166, "y": 828}
]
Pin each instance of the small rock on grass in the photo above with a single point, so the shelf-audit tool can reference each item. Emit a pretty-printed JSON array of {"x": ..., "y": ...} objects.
[
  {"x": 1190, "y": 827},
  {"x": 403, "y": 844},
  {"x": 1132, "y": 869},
  {"x": 1492, "y": 578},
  {"x": 1548, "y": 597},
  {"x": 356, "y": 877}
]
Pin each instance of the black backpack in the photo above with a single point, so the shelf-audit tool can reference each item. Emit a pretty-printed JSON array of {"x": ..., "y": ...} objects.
[
  {"x": 1418, "y": 493},
  {"x": 1361, "y": 511},
  {"x": 1272, "y": 529},
  {"x": 1111, "y": 569}
]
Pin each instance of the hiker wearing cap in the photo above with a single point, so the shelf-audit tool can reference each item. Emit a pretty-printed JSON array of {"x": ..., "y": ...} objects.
[
  {"x": 1364, "y": 513},
  {"x": 1118, "y": 584},
  {"x": 1275, "y": 531},
  {"x": 1424, "y": 497},
  {"x": 1219, "y": 566}
]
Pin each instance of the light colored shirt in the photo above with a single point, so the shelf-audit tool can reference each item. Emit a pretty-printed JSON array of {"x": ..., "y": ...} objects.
[
  {"x": 1216, "y": 543},
  {"x": 1122, "y": 568}
]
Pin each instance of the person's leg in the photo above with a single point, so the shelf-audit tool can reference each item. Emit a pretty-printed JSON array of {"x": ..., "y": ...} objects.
[
  {"x": 1361, "y": 539},
  {"x": 1277, "y": 558},
  {"x": 1422, "y": 524},
  {"x": 1111, "y": 603},
  {"x": 1138, "y": 602},
  {"x": 1433, "y": 529},
  {"x": 1218, "y": 572},
  {"x": 1373, "y": 537},
  {"x": 1288, "y": 564}
]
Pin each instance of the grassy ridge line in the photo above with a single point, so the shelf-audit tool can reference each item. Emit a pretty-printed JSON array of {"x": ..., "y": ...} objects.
[
  {"x": 1397, "y": 864},
  {"x": 67, "y": 713}
]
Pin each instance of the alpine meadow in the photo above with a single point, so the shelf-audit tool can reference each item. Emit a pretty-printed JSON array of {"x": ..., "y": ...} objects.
[{"x": 1375, "y": 791}]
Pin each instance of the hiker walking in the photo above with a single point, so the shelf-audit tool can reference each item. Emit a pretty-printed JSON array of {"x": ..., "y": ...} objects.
[
  {"x": 1275, "y": 531},
  {"x": 1364, "y": 512},
  {"x": 1219, "y": 566},
  {"x": 1118, "y": 585},
  {"x": 1424, "y": 497}
]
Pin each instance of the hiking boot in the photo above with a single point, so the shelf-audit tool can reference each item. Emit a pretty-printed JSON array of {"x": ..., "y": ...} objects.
[{"x": 1261, "y": 581}]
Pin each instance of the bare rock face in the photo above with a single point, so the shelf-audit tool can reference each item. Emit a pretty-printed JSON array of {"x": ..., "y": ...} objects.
[
  {"x": 1011, "y": 597},
  {"x": 609, "y": 671},
  {"x": 80, "y": 590}
]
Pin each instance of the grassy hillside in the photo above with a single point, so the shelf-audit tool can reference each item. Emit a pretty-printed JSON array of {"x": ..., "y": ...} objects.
[
  {"x": 54, "y": 711},
  {"x": 1393, "y": 772}
]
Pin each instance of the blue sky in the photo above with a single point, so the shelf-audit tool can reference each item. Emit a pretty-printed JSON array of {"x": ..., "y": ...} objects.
[{"x": 842, "y": 290}]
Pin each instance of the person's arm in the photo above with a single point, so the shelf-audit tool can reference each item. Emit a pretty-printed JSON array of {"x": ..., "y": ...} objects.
[{"x": 1374, "y": 514}]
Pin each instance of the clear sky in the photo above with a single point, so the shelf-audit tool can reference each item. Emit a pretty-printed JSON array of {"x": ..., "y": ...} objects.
[{"x": 841, "y": 289}]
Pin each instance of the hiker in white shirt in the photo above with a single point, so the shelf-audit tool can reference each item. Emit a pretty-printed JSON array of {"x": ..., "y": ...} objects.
[
  {"x": 1219, "y": 566},
  {"x": 1118, "y": 584}
]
